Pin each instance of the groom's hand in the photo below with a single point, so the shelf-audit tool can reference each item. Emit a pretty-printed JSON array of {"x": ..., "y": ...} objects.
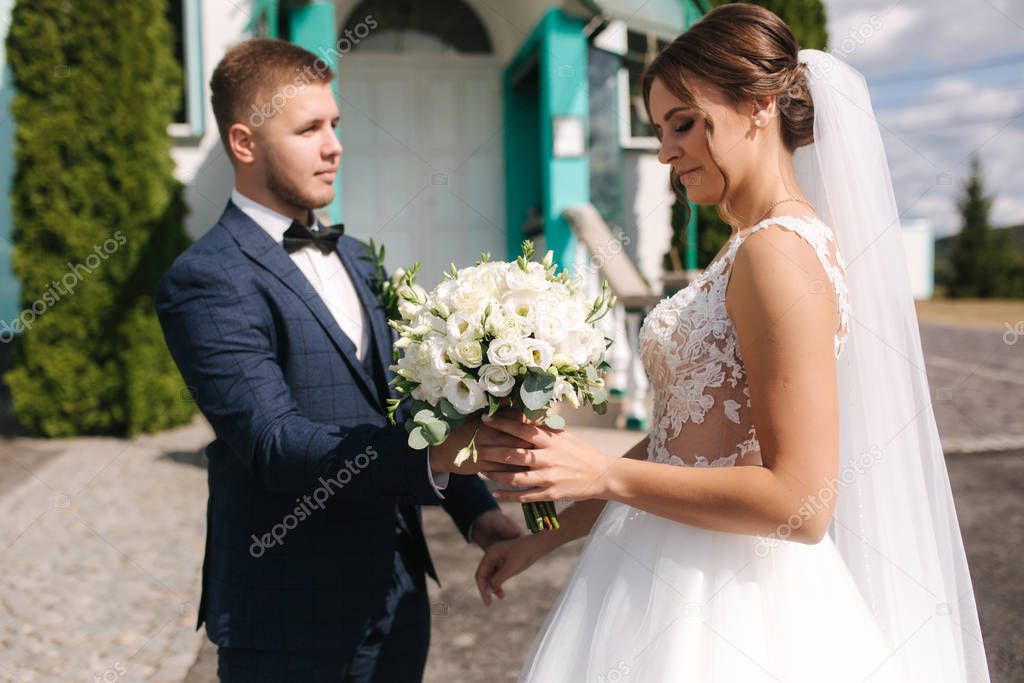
[
  {"x": 493, "y": 526},
  {"x": 442, "y": 456}
]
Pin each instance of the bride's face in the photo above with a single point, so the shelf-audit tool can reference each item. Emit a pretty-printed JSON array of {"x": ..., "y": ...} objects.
[{"x": 684, "y": 141}]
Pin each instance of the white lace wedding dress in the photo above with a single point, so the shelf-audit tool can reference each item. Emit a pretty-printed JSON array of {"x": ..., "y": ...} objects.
[{"x": 654, "y": 600}]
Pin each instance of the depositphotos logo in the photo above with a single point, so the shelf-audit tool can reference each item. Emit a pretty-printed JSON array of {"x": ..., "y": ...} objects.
[{"x": 312, "y": 501}]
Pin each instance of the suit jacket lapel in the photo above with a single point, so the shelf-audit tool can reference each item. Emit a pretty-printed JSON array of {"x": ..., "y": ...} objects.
[
  {"x": 352, "y": 255},
  {"x": 268, "y": 254}
]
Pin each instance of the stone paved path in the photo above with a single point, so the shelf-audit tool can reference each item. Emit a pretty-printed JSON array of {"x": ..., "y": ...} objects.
[
  {"x": 101, "y": 542},
  {"x": 100, "y": 549}
]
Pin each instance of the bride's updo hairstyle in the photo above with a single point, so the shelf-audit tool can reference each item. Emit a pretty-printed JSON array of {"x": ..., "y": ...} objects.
[{"x": 747, "y": 52}]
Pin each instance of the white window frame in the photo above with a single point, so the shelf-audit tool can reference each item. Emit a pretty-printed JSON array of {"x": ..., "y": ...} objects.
[
  {"x": 195, "y": 113},
  {"x": 626, "y": 138}
]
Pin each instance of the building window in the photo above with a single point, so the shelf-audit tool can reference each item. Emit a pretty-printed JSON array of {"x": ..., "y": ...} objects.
[
  {"x": 265, "y": 21},
  {"x": 635, "y": 127},
  {"x": 184, "y": 17},
  {"x": 426, "y": 26}
]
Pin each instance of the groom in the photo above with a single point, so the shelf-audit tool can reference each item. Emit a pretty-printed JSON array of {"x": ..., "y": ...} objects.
[{"x": 315, "y": 556}]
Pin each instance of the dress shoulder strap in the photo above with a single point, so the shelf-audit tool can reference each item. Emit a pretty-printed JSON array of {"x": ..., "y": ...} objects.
[{"x": 820, "y": 237}]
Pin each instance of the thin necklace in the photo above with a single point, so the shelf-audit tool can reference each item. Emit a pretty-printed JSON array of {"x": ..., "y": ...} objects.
[{"x": 794, "y": 198}]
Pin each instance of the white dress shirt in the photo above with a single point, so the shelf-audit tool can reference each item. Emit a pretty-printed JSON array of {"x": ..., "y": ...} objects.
[{"x": 331, "y": 281}]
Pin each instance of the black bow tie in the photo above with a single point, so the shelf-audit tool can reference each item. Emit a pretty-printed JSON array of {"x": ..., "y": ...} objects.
[{"x": 325, "y": 239}]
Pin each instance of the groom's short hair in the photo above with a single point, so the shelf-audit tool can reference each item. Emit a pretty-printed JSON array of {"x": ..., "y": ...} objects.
[{"x": 255, "y": 79}]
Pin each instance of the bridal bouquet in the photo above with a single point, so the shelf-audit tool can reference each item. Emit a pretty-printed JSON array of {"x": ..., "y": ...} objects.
[{"x": 492, "y": 335}]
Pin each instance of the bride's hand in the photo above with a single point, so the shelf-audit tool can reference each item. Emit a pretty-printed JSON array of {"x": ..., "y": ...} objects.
[
  {"x": 562, "y": 466},
  {"x": 502, "y": 561}
]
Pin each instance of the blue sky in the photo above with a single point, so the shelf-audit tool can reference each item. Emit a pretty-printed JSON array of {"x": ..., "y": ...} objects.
[{"x": 946, "y": 79}]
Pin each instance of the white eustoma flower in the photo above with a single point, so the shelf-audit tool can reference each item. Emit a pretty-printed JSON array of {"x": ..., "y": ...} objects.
[
  {"x": 531, "y": 322},
  {"x": 553, "y": 320},
  {"x": 430, "y": 390},
  {"x": 413, "y": 363},
  {"x": 497, "y": 380},
  {"x": 425, "y": 322},
  {"x": 597, "y": 347},
  {"x": 408, "y": 310},
  {"x": 533, "y": 279},
  {"x": 564, "y": 391},
  {"x": 537, "y": 353},
  {"x": 462, "y": 326},
  {"x": 464, "y": 294},
  {"x": 436, "y": 347},
  {"x": 576, "y": 347},
  {"x": 522, "y": 306},
  {"x": 465, "y": 394}
]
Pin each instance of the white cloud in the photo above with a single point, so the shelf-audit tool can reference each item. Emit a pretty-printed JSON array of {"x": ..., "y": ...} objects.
[{"x": 931, "y": 126}]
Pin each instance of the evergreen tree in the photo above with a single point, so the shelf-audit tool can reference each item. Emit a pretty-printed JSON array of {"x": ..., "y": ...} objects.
[
  {"x": 982, "y": 260},
  {"x": 97, "y": 215}
]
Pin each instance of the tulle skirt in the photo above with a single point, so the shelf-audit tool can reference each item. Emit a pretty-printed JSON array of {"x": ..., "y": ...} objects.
[{"x": 654, "y": 600}]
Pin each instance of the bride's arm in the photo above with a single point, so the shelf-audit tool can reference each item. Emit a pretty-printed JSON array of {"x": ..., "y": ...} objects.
[
  {"x": 578, "y": 519},
  {"x": 506, "y": 559},
  {"x": 784, "y": 321}
]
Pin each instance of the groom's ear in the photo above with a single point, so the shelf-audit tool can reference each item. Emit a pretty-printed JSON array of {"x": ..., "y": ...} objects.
[{"x": 242, "y": 143}]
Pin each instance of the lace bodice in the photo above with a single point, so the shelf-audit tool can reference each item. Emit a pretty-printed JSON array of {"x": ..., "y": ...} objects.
[{"x": 689, "y": 349}]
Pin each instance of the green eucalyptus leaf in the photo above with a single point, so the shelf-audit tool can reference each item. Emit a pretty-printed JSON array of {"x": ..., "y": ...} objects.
[
  {"x": 418, "y": 439},
  {"x": 537, "y": 390},
  {"x": 435, "y": 432},
  {"x": 424, "y": 416},
  {"x": 554, "y": 421},
  {"x": 447, "y": 410},
  {"x": 535, "y": 414}
]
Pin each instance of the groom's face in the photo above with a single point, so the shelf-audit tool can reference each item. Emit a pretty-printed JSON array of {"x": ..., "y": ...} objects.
[{"x": 299, "y": 149}]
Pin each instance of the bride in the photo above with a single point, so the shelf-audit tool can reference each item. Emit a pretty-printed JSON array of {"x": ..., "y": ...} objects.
[{"x": 789, "y": 517}]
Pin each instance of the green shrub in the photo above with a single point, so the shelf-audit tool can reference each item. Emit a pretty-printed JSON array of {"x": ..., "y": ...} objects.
[{"x": 97, "y": 215}]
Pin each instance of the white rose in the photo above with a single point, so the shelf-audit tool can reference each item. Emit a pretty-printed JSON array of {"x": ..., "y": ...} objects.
[
  {"x": 468, "y": 352},
  {"x": 465, "y": 393},
  {"x": 497, "y": 380},
  {"x": 505, "y": 351},
  {"x": 502, "y": 325}
]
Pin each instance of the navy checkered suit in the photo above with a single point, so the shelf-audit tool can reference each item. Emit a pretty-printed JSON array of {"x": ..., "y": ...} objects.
[{"x": 313, "y": 495}]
